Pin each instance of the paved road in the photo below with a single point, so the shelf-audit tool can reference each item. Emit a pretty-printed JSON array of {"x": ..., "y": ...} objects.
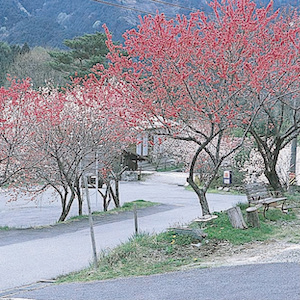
[
  {"x": 160, "y": 187},
  {"x": 259, "y": 282},
  {"x": 47, "y": 256}
]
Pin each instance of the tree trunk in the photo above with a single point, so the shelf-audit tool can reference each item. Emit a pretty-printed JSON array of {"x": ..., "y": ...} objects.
[
  {"x": 252, "y": 217},
  {"x": 63, "y": 198},
  {"x": 236, "y": 218},
  {"x": 201, "y": 196},
  {"x": 79, "y": 197},
  {"x": 273, "y": 179},
  {"x": 66, "y": 208},
  {"x": 115, "y": 193},
  {"x": 80, "y": 204},
  {"x": 270, "y": 158}
]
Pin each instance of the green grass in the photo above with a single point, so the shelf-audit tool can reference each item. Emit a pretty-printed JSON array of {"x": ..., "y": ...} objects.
[
  {"x": 216, "y": 191},
  {"x": 4, "y": 228},
  {"x": 221, "y": 229},
  {"x": 138, "y": 204},
  {"x": 127, "y": 206},
  {"x": 143, "y": 254},
  {"x": 170, "y": 168}
]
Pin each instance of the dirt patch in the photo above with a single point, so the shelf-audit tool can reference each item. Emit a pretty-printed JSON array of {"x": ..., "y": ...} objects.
[{"x": 270, "y": 251}]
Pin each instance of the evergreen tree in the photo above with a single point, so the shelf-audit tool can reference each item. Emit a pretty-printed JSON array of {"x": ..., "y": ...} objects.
[
  {"x": 84, "y": 53},
  {"x": 25, "y": 49},
  {"x": 6, "y": 57}
]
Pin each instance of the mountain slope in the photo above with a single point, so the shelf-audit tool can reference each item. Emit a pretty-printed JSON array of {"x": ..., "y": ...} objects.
[{"x": 48, "y": 23}]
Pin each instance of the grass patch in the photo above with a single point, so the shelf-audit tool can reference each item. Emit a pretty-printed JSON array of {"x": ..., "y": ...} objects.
[
  {"x": 147, "y": 254},
  {"x": 138, "y": 203},
  {"x": 270, "y": 226},
  {"x": 4, "y": 228},
  {"x": 171, "y": 168},
  {"x": 127, "y": 206},
  {"x": 216, "y": 191},
  {"x": 221, "y": 229},
  {"x": 143, "y": 254}
]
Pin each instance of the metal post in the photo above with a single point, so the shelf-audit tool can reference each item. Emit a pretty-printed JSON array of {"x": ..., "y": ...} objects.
[
  {"x": 135, "y": 219},
  {"x": 97, "y": 179},
  {"x": 91, "y": 222}
]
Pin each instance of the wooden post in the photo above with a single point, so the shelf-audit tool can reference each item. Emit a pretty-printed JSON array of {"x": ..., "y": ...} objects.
[
  {"x": 252, "y": 217},
  {"x": 135, "y": 219},
  {"x": 236, "y": 218},
  {"x": 91, "y": 222}
]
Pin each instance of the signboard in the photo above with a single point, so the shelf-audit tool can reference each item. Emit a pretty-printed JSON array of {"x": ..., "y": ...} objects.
[
  {"x": 227, "y": 177},
  {"x": 292, "y": 178}
]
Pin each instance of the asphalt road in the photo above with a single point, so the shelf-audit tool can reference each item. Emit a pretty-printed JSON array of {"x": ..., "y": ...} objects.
[
  {"x": 250, "y": 282},
  {"x": 29, "y": 256}
]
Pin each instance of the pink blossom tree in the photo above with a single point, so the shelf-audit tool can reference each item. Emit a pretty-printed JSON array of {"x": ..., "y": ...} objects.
[
  {"x": 17, "y": 110},
  {"x": 67, "y": 134}
]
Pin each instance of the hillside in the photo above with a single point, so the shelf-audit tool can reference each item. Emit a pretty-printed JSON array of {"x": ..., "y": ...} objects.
[{"x": 48, "y": 23}]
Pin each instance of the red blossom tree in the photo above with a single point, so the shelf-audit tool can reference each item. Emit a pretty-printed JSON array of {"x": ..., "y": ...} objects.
[{"x": 201, "y": 76}]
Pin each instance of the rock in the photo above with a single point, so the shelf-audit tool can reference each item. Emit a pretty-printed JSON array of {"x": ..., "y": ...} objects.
[
  {"x": 129, "y": 176},
  {"x": 197, "y": 234}
]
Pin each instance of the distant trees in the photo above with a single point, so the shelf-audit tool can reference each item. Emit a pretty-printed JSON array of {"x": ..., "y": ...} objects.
[
  {"x": 54, "y": 66},
  {"x": 7, "y": 56},
  {"x": 35, "y": 64}
]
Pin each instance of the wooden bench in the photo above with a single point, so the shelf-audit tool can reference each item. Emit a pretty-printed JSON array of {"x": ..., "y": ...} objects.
[{"x": 258, "y": 194}]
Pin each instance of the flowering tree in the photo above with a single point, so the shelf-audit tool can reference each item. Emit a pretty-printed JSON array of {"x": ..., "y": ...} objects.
[
  {"x": 67, "y": 139},
  {"x": 278, "y": 121},
  {"x": 17, "y": 107},
  {"x": 201, "y": 76}
]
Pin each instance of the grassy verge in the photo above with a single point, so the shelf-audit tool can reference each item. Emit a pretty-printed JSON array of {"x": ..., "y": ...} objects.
[
  {"x": 151, "y": 254},
  {"x": 4, "y": 228},
  {"x": 127, "y": 206},
  {"x": 216, "y": 191},
  {"x": 142, "y": 255}
]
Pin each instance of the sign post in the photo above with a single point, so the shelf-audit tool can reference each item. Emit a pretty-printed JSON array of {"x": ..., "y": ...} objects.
[{"x": 227, "y": 177}]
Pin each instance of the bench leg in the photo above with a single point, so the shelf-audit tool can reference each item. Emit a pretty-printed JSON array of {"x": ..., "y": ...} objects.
[
  {"x": 266, "y": 207},
  {"x": 282, "y": 206}
]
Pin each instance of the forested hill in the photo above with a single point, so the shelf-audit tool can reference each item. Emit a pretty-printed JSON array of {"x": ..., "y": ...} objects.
[{"x": 48, "y": 23}]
